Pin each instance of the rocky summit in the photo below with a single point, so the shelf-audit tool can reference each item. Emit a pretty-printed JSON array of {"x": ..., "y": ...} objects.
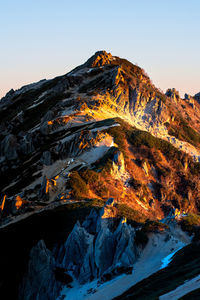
[{"x": 99, "y": 184}]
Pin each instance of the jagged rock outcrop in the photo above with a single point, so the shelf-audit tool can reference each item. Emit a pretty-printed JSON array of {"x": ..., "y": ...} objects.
[
  {"x": 96, "y": 251},
  {"x": 104, "y": 249},
  {"x": 102, "y": 256},
  {"x": 90, "y": 223},
  {"x": 9, "y": 147},
  {"x": 197, "y": 97},
  {"x": 189, "y": 99},
  {"x": 100, "y": 58},
  {"x": 39, "y": 282},
  {"x": 44, "y": 128},
  {"x": 97, "y": 247},
  {"x": 173, "y": 94},
  {"x": 118, "y": 167},
  {"x": 12, "y": 205},
  {"x": 76, "y": 248},
  {"x": 126, "y": 253},
  {"x": 44, "y": 189}
]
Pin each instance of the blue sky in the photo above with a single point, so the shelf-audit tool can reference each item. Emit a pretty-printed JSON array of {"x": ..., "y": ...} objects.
[{"x": 45, "y": 38}]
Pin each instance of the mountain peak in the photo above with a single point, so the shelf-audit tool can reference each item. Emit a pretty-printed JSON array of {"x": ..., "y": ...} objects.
[
  {"x": 99, "y": 59},
  {"x": 101, "y": 139}
]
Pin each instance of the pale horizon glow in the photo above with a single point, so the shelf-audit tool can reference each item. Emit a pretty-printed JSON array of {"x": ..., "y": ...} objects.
[{"x": 48, "y": 38}]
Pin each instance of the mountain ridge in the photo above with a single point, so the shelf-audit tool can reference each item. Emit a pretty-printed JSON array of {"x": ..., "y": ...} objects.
[
  {"x": 100, "y": 134},
  {"x": 41, "y": 119}
]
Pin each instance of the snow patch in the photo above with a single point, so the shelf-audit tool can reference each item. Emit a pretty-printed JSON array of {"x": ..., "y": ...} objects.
[
  {"x": 166, "y": 260},
  {"x": 98, "y": 151},
  {"x": 35, "y": 104},
  {"x": 104, "y": 127},
  {"x": 82, "y": 292}
]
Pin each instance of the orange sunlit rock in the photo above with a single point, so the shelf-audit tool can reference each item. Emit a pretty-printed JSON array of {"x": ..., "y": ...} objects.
[
  {"x": 19, "y": 202},
  {"x": 124, "y": 220},
  {"x": 66, "y": 119},
  {"x": 54, "y": 182},
  {"x": 47, "y": 185},
  {"x": 3, "y": 203}
]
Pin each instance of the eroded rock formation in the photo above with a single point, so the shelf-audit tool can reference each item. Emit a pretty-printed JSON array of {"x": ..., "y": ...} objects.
[{"x": 40, "y": 282}]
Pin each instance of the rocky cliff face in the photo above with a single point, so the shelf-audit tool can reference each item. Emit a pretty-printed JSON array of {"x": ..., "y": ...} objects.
[
  {"x": 99, "y": 248},
  {"x": 101, "y": 131},
  {"x": 54, "y": 126},
  {"x": 40, "y": 281}
]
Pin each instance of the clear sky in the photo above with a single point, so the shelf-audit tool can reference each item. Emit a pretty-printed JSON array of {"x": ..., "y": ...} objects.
[{"x": 45, "y": 38}]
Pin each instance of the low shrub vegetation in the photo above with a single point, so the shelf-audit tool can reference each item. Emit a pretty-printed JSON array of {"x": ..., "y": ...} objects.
[
  {"x": 105, "y": 163},
  {"x": 154, "y": 226},
  {"x": 83, "y": 182},
  {"x": 138, "y": 138},
  {"x": 130, "y": 214},
  {"x": 184, "y": 132},
  {"x": 190, "y": 222},
  {"x": 78, "y": 185}
]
